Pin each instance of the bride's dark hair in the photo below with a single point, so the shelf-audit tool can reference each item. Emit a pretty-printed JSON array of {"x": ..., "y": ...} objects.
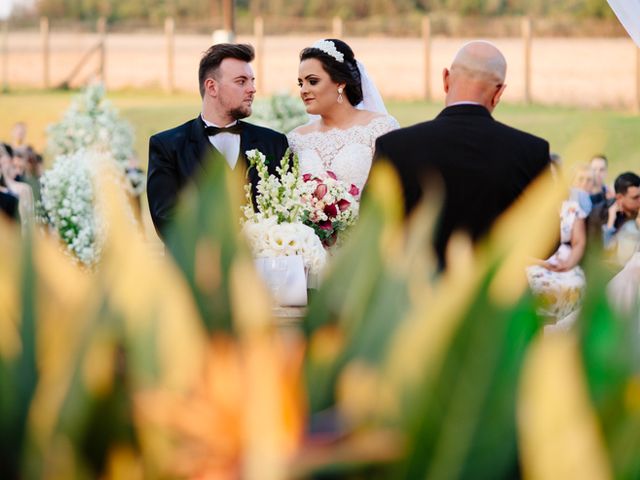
[{"x": 340, "y": 72}]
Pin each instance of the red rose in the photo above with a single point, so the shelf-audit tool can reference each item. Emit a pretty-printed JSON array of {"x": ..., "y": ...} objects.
[
  {"x": 343, "y": 204},
  {"x": 332, "y": 175},
  {"x": 354, "y": 190},
  {"x": 331, "y": 210},
  {"x": 306, "y": 177},
  {"x": 326, "y": 225},
  {"x": 321, "y": 191}
]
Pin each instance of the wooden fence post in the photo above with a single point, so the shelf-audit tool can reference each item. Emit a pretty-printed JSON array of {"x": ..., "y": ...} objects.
[
  {"x": 337, "y": 27},
  {"x": 258, "y": 32},
  {"x": 5, "y": 55},
  {"x": 526, "y": 38},
  {"x": 169, "y": 29},
  {"x": 44, "y": 33},
  {"x": 426, "y": 37},
  {"x": 102, "y": 34}
]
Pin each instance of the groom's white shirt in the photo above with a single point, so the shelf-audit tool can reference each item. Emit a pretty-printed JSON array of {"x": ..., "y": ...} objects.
[{"x": 228, "y": 144}]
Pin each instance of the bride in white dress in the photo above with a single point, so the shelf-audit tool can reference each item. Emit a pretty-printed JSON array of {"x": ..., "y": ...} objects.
[{"x": 347, "y": 114}]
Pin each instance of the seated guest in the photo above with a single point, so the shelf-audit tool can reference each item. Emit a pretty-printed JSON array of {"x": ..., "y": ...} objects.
[
  {"x": 600, "y": 193},
  {"x": 20, "y": 160},
  {"x": 19, "y": 134},
  {"x": 559, "y": 281},
  {"x": 8, "y": 202},
  {"x": 20, "y": 189},
  {"x": 607, "y": 217},
  {"x": 625, "y": 207},
  {"x": 32, "y": 172}
]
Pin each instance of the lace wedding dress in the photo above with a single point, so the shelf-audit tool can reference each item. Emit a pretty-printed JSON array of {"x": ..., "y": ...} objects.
[{"x": 347, "y": 153}]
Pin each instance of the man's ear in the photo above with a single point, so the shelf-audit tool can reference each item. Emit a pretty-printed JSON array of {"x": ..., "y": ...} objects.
[
  {"x": 445, "y": 79},
  {"x": 211, "y": 87},
  {"x": 498, "y": 94}
]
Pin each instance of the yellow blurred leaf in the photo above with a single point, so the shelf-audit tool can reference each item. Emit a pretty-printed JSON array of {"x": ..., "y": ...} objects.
[
  {"x": 559, "y": 433},
  {"x": 123, "y": 464}
]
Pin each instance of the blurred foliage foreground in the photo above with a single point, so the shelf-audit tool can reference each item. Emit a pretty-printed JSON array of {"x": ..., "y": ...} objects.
[{"x": 174, "y": 367}]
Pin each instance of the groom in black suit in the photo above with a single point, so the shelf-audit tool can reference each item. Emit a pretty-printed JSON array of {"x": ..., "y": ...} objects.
[
  {"x": 177, "y": 156},
  {"x": 481, "y": 164}
]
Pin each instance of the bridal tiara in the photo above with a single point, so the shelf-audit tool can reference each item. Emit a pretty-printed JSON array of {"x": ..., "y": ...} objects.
[{"x": 328, "y": 47}]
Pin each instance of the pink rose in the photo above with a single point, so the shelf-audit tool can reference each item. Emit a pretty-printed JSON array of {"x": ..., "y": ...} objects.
[
  {"x": 321, "y": 191},
  {"x": 306, "y": 177},
  {"x": 354, "y": 190},
  {"x": 332, "y": 175},
  {"x": 331, "y": 210},
  {"x": 343, "y": 204}
]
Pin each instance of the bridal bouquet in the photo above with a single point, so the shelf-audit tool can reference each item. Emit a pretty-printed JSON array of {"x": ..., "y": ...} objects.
[
  {"x": 277, "y": 228},
  {"x": 330, "y": 206}
]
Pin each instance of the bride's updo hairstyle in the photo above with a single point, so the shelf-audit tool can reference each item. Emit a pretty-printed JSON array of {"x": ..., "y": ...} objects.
[{"x": 339, "y": 62}]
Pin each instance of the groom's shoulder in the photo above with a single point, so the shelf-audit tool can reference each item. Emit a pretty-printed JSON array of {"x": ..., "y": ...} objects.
[{"x": 175, "y": 133}]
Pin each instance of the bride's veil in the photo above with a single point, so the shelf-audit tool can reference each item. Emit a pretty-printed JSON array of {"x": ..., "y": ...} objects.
[
  {"x": 628, "y": 12},
  {"x": 371, "y": 98}
]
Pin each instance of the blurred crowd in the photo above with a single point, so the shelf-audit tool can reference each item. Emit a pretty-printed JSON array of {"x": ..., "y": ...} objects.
[
  {"x": 595, "y": 216},
  {"x": 20, "y": 169}
]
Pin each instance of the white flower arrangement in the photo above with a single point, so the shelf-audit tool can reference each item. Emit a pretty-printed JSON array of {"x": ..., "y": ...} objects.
[
  {"x": 68, "y": 199},
  {"x": 328, "y": 47},
  {"x": 281, "y": 112},
  {"x": 72, "y": 206},
  {"x": 268, "y": 238},
  {"x": 91, "y": 122},
  {"x": 276, "y": 227}
]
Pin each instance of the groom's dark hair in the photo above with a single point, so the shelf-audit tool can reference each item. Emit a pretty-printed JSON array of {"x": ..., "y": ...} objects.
[
  {"x": 212, "y": 58},
  {"x": 346, "y": 72}
]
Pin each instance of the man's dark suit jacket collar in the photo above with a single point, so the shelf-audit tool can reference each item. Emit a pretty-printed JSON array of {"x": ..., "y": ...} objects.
[{"x": 465, "y": 109}]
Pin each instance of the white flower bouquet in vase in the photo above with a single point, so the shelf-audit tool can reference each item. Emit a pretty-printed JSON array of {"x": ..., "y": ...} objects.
[{"x": 286, "y": 249}]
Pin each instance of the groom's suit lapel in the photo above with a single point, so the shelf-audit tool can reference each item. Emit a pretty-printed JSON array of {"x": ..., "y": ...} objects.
[{"x": 200, "y": 148}]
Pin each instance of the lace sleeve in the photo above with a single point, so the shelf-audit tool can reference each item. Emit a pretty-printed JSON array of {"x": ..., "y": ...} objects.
[{"x": 384, "y": 125}]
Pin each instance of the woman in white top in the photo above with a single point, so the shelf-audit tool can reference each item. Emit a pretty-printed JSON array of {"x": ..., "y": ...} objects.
[{"x": 347, "y": 114}]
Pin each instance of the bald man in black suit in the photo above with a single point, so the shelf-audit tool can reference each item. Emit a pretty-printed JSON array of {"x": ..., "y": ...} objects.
[{"x": 482, "y": 164}]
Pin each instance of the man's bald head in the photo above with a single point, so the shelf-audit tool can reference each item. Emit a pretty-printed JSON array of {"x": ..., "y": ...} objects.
[
  {"x": 477, "y": 74},
  {"x": 481, "y": 60}
]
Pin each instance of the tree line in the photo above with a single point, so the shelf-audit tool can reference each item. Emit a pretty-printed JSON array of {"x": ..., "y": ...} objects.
[{"x": 151, "y": 10}]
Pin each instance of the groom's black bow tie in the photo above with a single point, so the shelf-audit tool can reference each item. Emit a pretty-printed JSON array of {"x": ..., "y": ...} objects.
[{"x": 210, "y": 131}]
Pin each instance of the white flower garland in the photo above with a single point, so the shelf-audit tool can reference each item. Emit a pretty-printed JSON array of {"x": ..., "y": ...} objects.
[
  {"x": 74, "y": 209},
  {"x": 68, "y": 198},
  {"x": 91, "y": 122}
]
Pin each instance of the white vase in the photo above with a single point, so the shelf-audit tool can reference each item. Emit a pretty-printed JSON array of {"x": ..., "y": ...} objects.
[{"x": 286, "y": 278}]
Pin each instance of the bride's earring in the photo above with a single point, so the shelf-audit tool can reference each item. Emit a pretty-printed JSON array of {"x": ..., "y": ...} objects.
[{"x": 340, "y": 99}]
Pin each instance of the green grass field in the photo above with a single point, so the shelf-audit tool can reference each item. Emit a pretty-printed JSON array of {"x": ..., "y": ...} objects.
[{"x": 574, "y": 133}]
